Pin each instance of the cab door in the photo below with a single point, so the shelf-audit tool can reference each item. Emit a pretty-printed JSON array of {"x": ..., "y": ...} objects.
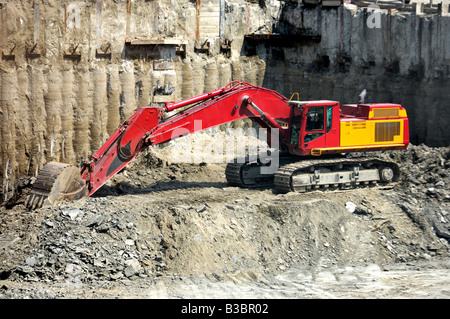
[
  {"x": 296, "y": 124},
  {"x": 314, "y": 128},
  {"x": 332, "y": 125}
]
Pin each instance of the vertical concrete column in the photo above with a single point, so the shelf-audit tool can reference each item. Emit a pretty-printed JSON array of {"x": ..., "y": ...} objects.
[
  {"x": 67, "y": 128},
  {"x": 198, "y": 71},
  {"x": 211, "y": 76},
  {"x": 260, "y": 71},
  {"x": 187, "y": 85},
  {"x": 82, "y": 114},
  {"x": 224, "y": 68},
  {"x": 53, "y": 101},
  {"x": 178, "y": 68},
  {"x": 8, "y": 97},
  {"x": 237, "y": 73},
  {"x": 38, "y": 114},
  {"x": 99, "y": 119},
  {"x": 144, "y": 86},
  {"x": 23, "y": 125},
  {"x": 128, "y": 98},
  {"x": 249, "y": 70},
  {"x": 113, "y": 94}
]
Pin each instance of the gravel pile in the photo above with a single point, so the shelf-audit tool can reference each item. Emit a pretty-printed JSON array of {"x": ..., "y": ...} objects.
[
  {"x": 424, "y": 188},
  {"x": 92, "y": 242}
]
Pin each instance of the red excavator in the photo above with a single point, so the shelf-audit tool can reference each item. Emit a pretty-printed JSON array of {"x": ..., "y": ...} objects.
[{"x": 309, "y": 138}]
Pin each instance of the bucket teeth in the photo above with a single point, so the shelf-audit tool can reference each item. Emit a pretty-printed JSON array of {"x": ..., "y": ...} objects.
[
  {"x": 34, "y": 201},
  {"x": 56, "y": 182}
]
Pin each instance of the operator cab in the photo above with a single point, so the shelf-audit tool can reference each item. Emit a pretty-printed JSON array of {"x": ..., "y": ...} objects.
[{"x": 314, "y": 124}]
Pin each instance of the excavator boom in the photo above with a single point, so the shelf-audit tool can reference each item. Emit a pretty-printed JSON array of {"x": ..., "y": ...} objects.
[
  {"x": 154, "y": 125},
  {"x": 147, "y": 126}
]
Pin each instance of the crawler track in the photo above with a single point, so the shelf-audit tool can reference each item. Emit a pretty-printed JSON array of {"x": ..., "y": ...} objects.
[
  {"x": 319, "y": 173},
  {"x": 300, "y": 176},
  {"x": 247, "y": 175}
]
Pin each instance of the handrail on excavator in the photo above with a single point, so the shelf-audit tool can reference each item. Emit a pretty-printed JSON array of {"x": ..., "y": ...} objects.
[{"x": 295, "y": 93}]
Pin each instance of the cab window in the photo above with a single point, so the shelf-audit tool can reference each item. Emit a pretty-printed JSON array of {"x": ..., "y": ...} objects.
[
  {"x": 314, "y": 119},
  {"x": 315, "y": 123},
  {"x": 329, "y": 118}
]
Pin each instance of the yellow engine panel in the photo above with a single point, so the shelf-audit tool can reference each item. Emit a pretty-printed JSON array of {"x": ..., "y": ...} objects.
[{"x": 371, "y": 132}]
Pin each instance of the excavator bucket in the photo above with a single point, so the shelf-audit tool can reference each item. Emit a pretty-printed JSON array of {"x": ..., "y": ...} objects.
[{"x": 56, "y": 182}]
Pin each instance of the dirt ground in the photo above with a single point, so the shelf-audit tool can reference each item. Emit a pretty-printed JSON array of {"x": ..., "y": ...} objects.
[{"x": 173, "y": 230}]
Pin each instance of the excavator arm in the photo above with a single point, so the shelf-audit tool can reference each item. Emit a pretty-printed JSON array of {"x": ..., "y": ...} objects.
[{"x": 156, "y": 125}]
